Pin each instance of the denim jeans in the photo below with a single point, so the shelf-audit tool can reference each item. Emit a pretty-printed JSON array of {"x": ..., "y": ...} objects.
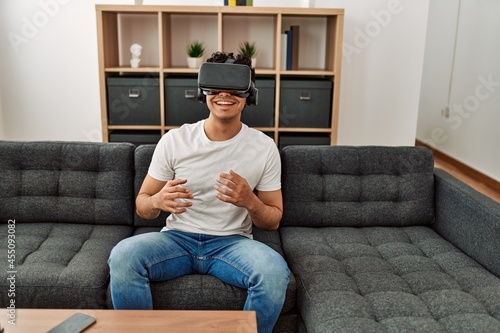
[{"x": 236, "y": 260}]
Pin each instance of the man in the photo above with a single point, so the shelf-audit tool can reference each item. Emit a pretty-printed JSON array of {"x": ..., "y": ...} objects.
[{"x": 216, "y": 177}]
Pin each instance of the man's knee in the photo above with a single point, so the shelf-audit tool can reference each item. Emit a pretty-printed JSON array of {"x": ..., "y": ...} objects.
[
  {"x": 275, "y": 270},
  {"x": 122, "y": 255}
]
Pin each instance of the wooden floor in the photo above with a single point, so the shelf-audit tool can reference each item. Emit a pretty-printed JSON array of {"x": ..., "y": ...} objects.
[{"x": 473, "y": 178}]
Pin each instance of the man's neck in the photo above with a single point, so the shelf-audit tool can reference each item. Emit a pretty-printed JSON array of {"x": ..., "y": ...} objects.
[{"x": 220, "y": 131}]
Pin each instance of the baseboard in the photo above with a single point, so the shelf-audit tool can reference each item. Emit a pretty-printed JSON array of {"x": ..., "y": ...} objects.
[{"x": 473, "y": 173}]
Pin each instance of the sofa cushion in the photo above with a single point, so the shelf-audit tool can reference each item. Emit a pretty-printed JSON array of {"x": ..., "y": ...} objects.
[
  {"x": 385, "y": 279},
  {"x": 198, "y": 292},
  {"x": 59, "y": 265},
  {"x": 357, "y": 186},
  {"x": 68, "y": 182}
]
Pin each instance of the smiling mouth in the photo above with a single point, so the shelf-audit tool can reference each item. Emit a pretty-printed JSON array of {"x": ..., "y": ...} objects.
[{"x": 224, "y": 103}]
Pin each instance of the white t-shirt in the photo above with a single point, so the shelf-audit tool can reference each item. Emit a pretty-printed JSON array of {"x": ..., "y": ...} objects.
[{"x": 187, "y": 153}]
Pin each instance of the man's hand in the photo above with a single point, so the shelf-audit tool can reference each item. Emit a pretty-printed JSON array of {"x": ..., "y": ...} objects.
[
  {"x": 166, "y": 199},
  {"x": 237, "y": 190},
  {"x": 155, "y": 196},
  {"x": 265, "y": 208}
]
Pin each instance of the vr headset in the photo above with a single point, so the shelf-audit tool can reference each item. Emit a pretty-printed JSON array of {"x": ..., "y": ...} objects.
[{"x": 236, "y": 79}]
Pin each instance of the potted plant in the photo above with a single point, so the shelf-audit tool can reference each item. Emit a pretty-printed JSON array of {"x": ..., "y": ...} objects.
[
  {"x": 195, "y": 52},
  {"x": 250, "y": 50}
]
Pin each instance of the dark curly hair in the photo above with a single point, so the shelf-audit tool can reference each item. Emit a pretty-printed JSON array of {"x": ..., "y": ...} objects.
[{"x": 241, "y": 59}]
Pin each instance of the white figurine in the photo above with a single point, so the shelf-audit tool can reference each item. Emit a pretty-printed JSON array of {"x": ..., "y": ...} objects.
[{"x": 135, "y": 49}]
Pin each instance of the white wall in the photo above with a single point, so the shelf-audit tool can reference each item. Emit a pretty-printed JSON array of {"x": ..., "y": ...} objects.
[
  {"x": 382, "y": 68},
  {"x": 49, "y": 70},
  {"x": 465, "y": 76},
  {"x": 50, "y": 81}
]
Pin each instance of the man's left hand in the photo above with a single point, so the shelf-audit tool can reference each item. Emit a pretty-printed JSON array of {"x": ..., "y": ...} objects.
[{"x": 236, "y": 190}]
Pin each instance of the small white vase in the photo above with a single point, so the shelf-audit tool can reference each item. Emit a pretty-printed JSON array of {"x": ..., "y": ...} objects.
[
  {"x": 254, "y": 62},
  {"x": 194, "y": 62}
]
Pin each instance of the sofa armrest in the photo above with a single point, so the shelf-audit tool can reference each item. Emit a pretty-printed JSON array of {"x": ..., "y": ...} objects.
[{"x": 468, "y": 219}]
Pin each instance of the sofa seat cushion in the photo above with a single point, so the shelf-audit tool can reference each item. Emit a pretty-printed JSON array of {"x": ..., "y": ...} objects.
[
  {"x": 205, "y": 292},
  {"x": 59, "y": 265},
  {"x": 388, "y": 279}
]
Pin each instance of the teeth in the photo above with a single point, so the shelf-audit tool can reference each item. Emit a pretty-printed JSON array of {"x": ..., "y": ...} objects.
[{"x": 224, "y": 103}]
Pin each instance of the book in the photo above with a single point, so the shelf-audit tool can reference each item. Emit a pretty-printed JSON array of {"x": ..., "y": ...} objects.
[
  {"x": 289, "y": 41},
  {"x": 241, "y": 2},
  {"x": 284, "y": 46},
  {"x": 232, "y": 2},
  {"x": 249, "y": 2},
  {"x": 226, "y": 2},
  {"x": 295, "y": 46}
]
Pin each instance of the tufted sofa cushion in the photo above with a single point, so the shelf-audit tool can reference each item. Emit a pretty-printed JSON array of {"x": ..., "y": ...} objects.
[
  {"x": 69, "y": 182},
  {"x": 389, "y": 279},
  {"x": 66, "y": 205},
  {"x": 59, "y": 265},
  {"x": 357, "y": 186}
]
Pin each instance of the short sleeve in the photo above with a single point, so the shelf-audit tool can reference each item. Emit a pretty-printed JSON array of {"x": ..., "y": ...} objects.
[
  {"x": 271, "y": 178},
  {"x": 161, "y": 166}
]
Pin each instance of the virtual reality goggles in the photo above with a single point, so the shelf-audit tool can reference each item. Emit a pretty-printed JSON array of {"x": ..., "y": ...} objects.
[{"x": 235, "y": 79}]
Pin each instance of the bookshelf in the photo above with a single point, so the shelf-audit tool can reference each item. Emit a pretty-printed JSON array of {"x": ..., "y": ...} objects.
[{"x": 164, "y": 32}]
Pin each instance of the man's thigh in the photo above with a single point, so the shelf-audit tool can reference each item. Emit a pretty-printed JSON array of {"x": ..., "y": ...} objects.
[
  {"x": 163, "y": 255},
  {"x": 240, "y": 261}
]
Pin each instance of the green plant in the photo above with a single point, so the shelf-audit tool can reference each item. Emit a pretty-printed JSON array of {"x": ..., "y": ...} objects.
[
  {"x": 248, "y": 49},
  {"x": 196, "y": 49}
]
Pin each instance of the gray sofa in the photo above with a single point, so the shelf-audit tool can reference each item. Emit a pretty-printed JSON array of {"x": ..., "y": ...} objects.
[{"x": 376, "y": 238}]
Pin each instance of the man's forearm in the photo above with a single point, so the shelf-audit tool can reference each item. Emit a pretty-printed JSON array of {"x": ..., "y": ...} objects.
[
  {"x": 265, "y": 217},
  {"x": 145, "y": 208}
]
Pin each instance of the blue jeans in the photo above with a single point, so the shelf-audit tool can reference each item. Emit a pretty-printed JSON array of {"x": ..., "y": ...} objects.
[{"x": 236, "y": 260}]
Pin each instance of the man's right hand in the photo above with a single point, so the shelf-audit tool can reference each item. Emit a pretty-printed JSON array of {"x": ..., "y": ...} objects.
[
  {"x": 155, "y": 196},
  {"x": 165, "y": 199}
]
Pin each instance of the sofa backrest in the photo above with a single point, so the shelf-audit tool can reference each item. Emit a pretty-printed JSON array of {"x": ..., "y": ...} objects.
[
  {"x": 357, "y": 186},
  {"x": 70, "y": 182},
  {"x": 143, "y": 155}
]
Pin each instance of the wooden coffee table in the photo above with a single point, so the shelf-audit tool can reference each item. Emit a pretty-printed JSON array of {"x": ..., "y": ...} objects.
[{"x": 137, "y": 321}]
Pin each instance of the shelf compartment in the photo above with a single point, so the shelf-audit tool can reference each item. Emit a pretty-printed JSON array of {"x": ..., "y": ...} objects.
[
  {"x": 305, "y": 103},
  {"x": 120, "y": 30},
  {"x": 138, "y": 28},
  {"x": 181, "y": 29},
  {"x": 136, "y": 137},
  {"x": 144, "y": 70},
  {"x": 303, "y": 129},
  {"x": 297, "y": 138},
  {"x": 262, "y": 114},
  {"x": 258, "y": 29},
  {"x": 181, "y": 101},
  {"x": 133, "y": 100},
  {"x": 317, "y": 35}
]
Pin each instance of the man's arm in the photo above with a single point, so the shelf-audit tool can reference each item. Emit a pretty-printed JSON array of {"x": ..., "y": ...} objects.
[
  {"x": 269, "y": 216},
  {"x": 155, "y": 196},
  {"x": 265, "y": 208}
]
